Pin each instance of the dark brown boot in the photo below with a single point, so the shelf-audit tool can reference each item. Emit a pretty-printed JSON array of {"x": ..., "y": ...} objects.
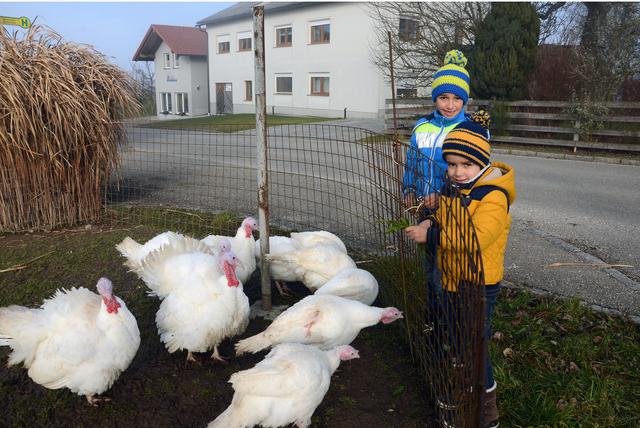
[{"x": 491, "y": 407}]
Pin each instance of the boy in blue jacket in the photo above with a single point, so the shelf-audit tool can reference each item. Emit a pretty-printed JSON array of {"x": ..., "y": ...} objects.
[{"x": 425, "y": 169}]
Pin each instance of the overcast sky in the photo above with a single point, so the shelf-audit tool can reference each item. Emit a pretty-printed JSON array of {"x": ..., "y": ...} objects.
[{"x": 113, "y": 28}]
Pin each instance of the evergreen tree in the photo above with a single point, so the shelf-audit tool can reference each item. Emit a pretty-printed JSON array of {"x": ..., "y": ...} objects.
[{"x": 504, "y": 52}]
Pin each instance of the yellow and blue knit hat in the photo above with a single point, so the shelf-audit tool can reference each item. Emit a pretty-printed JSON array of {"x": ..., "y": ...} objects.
[
  {"x": 452, "y": 77},
  {"x": 470, "y": 139}
]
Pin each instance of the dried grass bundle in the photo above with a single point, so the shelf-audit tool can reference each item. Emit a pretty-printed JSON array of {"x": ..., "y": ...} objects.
[{"x": 61, "y": 110}]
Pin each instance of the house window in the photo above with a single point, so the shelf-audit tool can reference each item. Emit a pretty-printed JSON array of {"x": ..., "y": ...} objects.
[
  {"x": 320, "y": 85},
  {"x": 284, "y": 84},
  {"x": 176, "y": 61},
  {"x": 283, "y": 37},
  {"x": 408, "y": 30},
  {"x": 165, "y": 98},
  {"x": 244, "y": 44},
  {"x": 167, "y": 60},
  {"x": 224, "y": 47},
  {"x": 248, "y": 90},
  {"x": 182, "y": 103},
  {"x": 244, "y": 41},
  {"x": 224, "y": 43},
  {"x": 320, "y": 32}
]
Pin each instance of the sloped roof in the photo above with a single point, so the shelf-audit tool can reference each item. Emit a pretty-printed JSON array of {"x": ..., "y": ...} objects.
[
  {"x": 181, "y": 41},
  {"x": 244, "y": 10}
]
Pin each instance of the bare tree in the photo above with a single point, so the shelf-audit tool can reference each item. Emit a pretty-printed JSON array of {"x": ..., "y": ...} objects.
[
  {"x": 609, "y": 50},
  {"x": 422, "y": 33},
  {"x": 560, "y": 22},
  {"x": 144, "y": 77}
]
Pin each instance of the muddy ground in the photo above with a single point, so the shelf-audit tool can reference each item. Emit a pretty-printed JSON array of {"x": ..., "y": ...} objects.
[{"x": 381, "y": 389}]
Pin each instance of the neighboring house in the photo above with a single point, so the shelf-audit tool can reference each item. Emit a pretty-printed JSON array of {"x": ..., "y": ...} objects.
[
  {"x": 317, "y": 60},
  {"x": 180, "y": 61}
]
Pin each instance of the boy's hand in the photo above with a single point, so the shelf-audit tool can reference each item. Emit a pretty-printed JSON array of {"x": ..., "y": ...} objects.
[{"x": 418, "y": 233}]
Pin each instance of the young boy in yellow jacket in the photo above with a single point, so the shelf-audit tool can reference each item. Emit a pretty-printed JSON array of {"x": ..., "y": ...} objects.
[{"x": 488, "y": 190}]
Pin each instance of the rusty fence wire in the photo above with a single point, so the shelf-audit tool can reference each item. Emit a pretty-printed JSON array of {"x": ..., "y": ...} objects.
[{"x": 325, "y": 177}]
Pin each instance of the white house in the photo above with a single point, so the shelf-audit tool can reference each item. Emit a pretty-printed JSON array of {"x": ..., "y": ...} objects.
[
  {"x": 180, "y": 61},
  {"x": 317, "y": 60}
]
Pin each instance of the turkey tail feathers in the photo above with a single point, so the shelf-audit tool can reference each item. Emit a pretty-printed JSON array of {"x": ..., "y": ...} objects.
[
  {"x": 18, "y": 330},
  {"x": 129, "y": 248},
  {"x": 13, "y": 320},
  {"x": 252, "y": 344},
  {"x": 152, "y": 266}
]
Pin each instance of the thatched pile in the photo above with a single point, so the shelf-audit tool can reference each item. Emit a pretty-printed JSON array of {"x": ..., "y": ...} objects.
[{"x": 61, "y": 106}]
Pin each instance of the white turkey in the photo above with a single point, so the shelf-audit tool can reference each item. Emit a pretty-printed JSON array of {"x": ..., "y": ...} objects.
[
  {"x": 284, "y": 388},
  {"x": 318, "y": 237},
  {"x": 174, "y": 263},
  {"x": 324, "y": 321},
  {"x": 242, "y": 244},
  {"x": 77, "y": 339},
  {"x": 204, "y": 301},
  {"x": 352, "y": 283},
  {"x": 315, "y": 265},
  {"x": 281, "y": 272}
]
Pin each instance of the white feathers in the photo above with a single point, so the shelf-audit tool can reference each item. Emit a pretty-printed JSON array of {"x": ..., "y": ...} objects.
[
  {"x": 73, "y": 340},
  {"x": 203, "y": 303},
  {"x": 352, "y": 283},
  {"x": 315, "y": 265},
  {"x": 135, "y": 252},
  {"x": 168, "y": 267},
  {"x": 324, "y": 321},
  {"x": 284, "y": 388}
]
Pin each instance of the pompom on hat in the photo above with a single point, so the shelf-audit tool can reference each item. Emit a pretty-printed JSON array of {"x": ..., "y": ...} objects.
[
  {"x": 452, "y": 77},
  {"x": 470, "y": 139}
]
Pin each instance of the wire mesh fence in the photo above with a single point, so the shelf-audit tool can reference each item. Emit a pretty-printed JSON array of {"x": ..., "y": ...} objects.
[{"x": 347, "y": 181}]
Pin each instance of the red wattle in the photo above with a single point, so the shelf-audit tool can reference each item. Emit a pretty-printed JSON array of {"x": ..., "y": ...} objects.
[
  {"x": 111, "y": 304},
  {"x": 230, "y": 273}
]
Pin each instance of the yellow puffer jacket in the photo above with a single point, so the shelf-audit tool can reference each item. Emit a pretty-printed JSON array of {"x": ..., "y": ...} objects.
[{"x": 491, "y": 221}]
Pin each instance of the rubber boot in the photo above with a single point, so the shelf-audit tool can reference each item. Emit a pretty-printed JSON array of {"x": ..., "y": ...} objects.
[{"x": 491, "y": 407}]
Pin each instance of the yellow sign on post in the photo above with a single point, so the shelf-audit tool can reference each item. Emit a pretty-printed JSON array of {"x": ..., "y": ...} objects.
[{"x": 23, "y": 21}]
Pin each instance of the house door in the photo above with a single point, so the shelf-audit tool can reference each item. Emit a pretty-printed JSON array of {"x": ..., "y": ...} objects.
[{"x": 224, "y": 98}]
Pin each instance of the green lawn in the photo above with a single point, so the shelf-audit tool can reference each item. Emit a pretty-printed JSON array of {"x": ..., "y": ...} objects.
[{"x": 235, "y": 122}]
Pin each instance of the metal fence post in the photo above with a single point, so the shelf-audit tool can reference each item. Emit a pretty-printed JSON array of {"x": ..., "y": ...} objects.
[{"x": 262, "y": 149}]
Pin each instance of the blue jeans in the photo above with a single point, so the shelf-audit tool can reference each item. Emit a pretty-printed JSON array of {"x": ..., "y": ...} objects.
[
  {"x": 442, "y": 313},
  {"x": 491, "y": 295}
]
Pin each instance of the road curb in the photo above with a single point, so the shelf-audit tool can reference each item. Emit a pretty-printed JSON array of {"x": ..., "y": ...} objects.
[{"x": 567, "y": 156}]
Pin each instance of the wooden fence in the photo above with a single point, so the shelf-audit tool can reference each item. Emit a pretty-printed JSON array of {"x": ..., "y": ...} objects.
[{"x": 541, "y": 123}]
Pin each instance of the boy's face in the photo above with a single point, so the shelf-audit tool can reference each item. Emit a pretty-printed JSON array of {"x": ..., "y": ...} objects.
[
  {"x": 449, "y": 105},
  {"x": 461, "y": 170}
]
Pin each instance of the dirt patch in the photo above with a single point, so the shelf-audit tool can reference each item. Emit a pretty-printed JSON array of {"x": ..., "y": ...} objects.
[{"x": 381, "y": 389}]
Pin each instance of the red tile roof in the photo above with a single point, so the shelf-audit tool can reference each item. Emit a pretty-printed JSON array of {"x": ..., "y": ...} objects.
[{"x": 181, "y": 41}]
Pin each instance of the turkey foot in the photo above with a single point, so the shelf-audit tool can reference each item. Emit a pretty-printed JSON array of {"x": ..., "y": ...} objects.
[
  {"x": 216, "y": 356},
  {"x": 191, "y": 359},
  {"x": 95, "y": 400},
  {"x": 283, "y": 289}
]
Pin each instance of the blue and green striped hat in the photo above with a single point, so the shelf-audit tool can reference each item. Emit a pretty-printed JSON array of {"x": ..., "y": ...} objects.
[{"x": 452, "y": 77}]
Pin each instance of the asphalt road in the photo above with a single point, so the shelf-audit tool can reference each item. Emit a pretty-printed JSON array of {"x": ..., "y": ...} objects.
[
  {"x": 571, "y": 220},
  {"x": 575, "y": 222}
]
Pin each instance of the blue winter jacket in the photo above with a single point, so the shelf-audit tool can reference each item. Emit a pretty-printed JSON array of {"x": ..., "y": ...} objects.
[{"x": 425, "y": 170}]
